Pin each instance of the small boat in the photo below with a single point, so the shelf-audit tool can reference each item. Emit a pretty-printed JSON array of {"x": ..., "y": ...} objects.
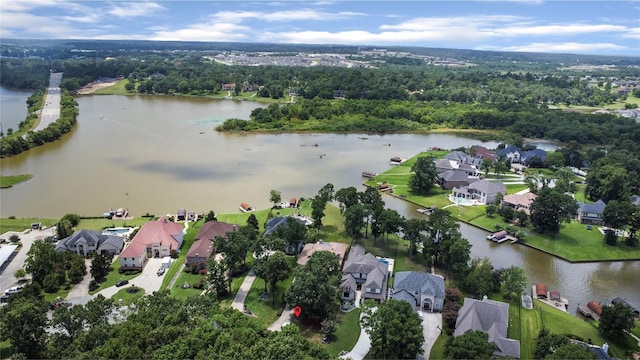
[
  {"x": 369, "y": 174},
  {"x": 422, "y": 211}
]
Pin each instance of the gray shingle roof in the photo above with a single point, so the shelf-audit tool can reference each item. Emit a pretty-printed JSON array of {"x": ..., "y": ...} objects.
[
  {"x": 454, "y": 175},
  {"x": 595, "y": 208},
  {"x": 491, "y": 317},
  {"x": 99, "y": 239},
  {"x": 489, "y": 187},
  {"x": 421, "y": 282}
]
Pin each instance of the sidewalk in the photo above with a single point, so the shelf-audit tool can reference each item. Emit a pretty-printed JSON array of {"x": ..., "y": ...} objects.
[{"x": 238, "y": 301}]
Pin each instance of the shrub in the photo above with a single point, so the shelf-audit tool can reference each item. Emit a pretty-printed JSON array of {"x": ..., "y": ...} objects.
[
  {"x": 203, "y": 272},
  {"x": 93, "y": 285},
  {"x": 194, "y": 270},
  {"x": 187, "y": 269},
  {"x": 497, "y": 227},
  {"x": 14, "y": 238},
  {"x": 197, "y": 285}
]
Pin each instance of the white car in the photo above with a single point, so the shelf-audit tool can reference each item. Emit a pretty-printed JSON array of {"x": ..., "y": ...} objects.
[{"x": 14, "y": 290}]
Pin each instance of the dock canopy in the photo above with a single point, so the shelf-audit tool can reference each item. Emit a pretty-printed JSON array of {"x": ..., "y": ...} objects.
[
  {"x": 595, "y": 307},
  {"x": 541, "y": 291}
]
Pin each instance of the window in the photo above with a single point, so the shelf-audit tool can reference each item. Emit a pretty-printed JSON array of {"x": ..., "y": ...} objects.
[
  {"x": 346, "y": 294},
  {"x": 377, "y": 291},
  {"x": 369, "y": 290}
]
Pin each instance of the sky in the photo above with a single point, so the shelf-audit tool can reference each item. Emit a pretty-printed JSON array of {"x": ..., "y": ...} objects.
[{"x": 580, "y": 27}]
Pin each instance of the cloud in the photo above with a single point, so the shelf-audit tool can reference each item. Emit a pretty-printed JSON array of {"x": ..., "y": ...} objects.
[
  {"x": 204, "y": 32},
  {"x": 558, "y": 30},
  {"x": 633, "y": 33},
  {"x": 280, "y": 16},
  {"x": 134, "y": 9},
  {"x": 565, "y": 47}
]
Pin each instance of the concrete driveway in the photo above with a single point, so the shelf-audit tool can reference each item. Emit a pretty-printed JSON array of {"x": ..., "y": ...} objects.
[
  {"x": 148, "y": 279},
  {"x": 431, "y": 329},
  {"x": 27, "y": 238}
]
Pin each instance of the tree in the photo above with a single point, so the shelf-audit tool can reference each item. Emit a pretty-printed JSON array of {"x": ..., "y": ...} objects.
[
  {"x": 275, "y": 197},
  {"x": 424, "y": 175},
  {"x": 101, "y": 265},
  {"x": 371, "y": 199},
  {"x": 318, "y": 205},
  {"x": 456, "y": 253},
  {"x": 293, "y": 232},
  {"x": 23, "y": 321},
  {"x": 354, "y": 221},
  {"x": 490, "y": 210},
  {"x": 77, "y": 269},
  {"x": 20, "y": 274},
  {"x": 617, "y": 214},
  {"x": 479, "y": 281},
  {"x": 73, "y": 219},
  {"x": 472, "y": 345},
  {"x": 234, "y": 245},
  {"x": 501, "y": 166},
  {"x": 347, "y": 197},
  {"x": 391, "y": 222},
  {"x": 42, "y": 260},
  {"x": 441, "y": 228},
  {"x": 211, "y": 216},
  {"x": 64, "y": 229},
  {"x": 413, "y": 229},
  {"x": 571, "y": 351},
  {"x": 555, "y": 160},
  {"x": 14, "y": 238},
  {"x": 216, "y": 273},
  {"x": 547, "y": 342},
  {"x": 252, "y": 221},
  {"x": 272, "y": 269},
  {"x": 395, "y": 330},
  {"x": 328, "y": 327},
  {"x": 514, "y": 280},
  {"x": 615, "y": 321},
  {"x": 315, "y": 289},
  {"x": 550, "y": 208}
]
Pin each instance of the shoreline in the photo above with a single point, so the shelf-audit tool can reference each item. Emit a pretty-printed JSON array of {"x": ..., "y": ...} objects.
[{"x": 524, "y": 243}]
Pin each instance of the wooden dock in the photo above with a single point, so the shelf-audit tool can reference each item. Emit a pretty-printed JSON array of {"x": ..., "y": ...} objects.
[{"x": 584, "y": 310}]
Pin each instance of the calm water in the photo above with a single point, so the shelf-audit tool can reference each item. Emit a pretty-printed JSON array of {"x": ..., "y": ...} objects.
[
  {"x": 13, "y": 107},
  {"x": 159, "y": 154}
]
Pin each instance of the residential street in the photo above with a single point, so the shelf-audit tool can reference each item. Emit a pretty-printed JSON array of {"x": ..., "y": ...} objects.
[{"x": 6, "y": 278}]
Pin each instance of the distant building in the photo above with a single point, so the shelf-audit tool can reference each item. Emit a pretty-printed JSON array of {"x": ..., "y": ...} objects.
[{"x": 86, "y": 242}]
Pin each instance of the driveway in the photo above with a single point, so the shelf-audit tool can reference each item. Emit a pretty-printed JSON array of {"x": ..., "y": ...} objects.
[
  {"x": 148, "y": 279},
  {"x": 431, "y": 329},
  {"x": 361, "y": 349},
  {"x": 241, "y": 295},
  {"x": 6, "y": 277}
]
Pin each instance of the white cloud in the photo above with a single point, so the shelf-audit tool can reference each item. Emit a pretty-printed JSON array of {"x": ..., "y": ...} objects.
[
  {"x": 633, "y": 33},
  {"x": 558, "y": 30},
  {"x": 204, "y": 32},
  {"x": 565, "y": 47},
  {"x": 446, "y": 23},
  {"x": 287, "y": 15},
  {"x": 134, "y": 9}
]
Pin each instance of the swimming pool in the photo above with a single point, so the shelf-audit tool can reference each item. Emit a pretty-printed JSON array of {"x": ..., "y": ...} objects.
[
  {"x": 462, "y": 201},
  {"x": 117, "y": 231}
]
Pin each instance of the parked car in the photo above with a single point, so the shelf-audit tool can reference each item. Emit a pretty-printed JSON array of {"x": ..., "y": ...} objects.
[
  {"x": 4, "y": 298},
  {"x": 14, "y": 290},
  {"x": 122, "y": 283},
  {"x": 161, "y": 271}
]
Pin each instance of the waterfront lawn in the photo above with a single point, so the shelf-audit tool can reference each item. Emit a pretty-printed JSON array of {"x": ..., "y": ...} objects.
[
  {"x": 117, "y": 89},
  {"x": 22, "y": 224},
  {"x": 9, "y": 181},
  {"x": 103, "y": 223},
  {"x": 397, "y": 249},
  {"x": 347, "y": 332},
  {"x": 574, "y": 242}
]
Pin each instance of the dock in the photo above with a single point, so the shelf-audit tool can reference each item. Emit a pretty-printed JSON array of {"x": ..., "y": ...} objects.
[
  {"x": 590, "y": 310},
  {"x": 551, "y": 298}
]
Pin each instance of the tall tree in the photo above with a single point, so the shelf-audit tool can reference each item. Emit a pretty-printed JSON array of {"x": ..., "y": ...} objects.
[
  {"x": 472, "y": 345},
  {"x": 546, "y": 342},
  {"x": 347, "y": 197},
  {"x": 442, "y": 228},
  {"x": 234, "y": 245},
  {"x": 315, "y": 289},
  {"x": 395, "y": 330},
  {"x": 413, "y": 233},
  {"x": 43, "y": 260},
  {"x": 550, "y": 208},
  {"x": 617, "y": 214},
  {"x": 275, "y": 197},
  {"x": 216, "y": 273},
  {"x": 615, "y": 321},
  {"x": 391, "y": 222},
  {"x": 100, "y": 266},
  {"x": 23, "y": 321},
  {"x": 479, "y": 280},
  {"x": 424, "y": 175},
  {"x": 354, "y": 221},
  {"x": 293, "y": 232},
  {"x": 514, "y": 280},
  {"x": 276, "y": 269}
]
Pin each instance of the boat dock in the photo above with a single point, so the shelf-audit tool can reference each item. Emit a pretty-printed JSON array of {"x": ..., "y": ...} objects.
[
  {"x": 551, "y": 298},
  {"x": 592, "y": 310},
  {"x": 501, "y": 236}
]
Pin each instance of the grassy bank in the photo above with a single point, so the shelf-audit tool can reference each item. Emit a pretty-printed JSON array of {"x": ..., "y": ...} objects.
[
  {"x": 101, "y": 223},
  {"x": 9, "y": 181},
  {"x": 22, "y": 224}
]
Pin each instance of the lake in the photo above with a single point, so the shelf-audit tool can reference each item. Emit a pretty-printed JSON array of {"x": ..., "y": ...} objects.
[{"x": 158, "y": 154}]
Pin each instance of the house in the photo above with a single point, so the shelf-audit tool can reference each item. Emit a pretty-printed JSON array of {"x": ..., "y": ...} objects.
[
  {"x": 519, "y": 202},
  {"x": 443, "y": 165},
  {"x": 275, "y": 223},
  {"x": 483, "y": 153},
  {"x": 154, "y": 239},
  {"x": 483, "y": 191},
  {"x": 635, "y": 200},
  {"x": 512, "y": 152},
  {"x": 422, "y": 290},
  {"x": 364, "y": 272},
  {"x": 491, "y": 317},
  {"x": 528, "y": 157},
  {"x": 85, "y": 242},
  {"x": 203, "y": 246},
  {"x": 591, "y": 213},
  {"x": 229, "y": 87},
  {"x": 454, "y": 178},
  {"x": 463, "y": 158},
  {"x": 339, "y": 249}
]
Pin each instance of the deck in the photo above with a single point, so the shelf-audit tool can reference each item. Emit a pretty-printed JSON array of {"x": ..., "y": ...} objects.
[
  {"x": 584, "y": 310},
  {"x": 561, "y": 304}
]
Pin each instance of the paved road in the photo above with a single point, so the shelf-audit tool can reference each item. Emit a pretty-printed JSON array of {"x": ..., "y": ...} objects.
[
  {"x": 51, "y": 109},
  {"x": 7, "y": 279}
]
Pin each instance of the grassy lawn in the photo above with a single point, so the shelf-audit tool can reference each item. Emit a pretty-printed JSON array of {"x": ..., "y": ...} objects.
[
  {"x": 23, "y": 224},
  {"x": 574, "y": 243},
  {"x": 101, "y": 223},
  {"x": 347, "y": 332},
  {"x": 127, "y": 298},
  {"x": 117, "y": 89},
  {"x": 437, "y": 350},
  {"x": 9, "y": 181},
  {"x": 178, "y": 292},
  {"x": 63, "y": 292},
  {"x": 113, "y": 277}
]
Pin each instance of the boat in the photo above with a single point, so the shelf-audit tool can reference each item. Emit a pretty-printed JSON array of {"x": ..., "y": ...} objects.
[
  {"x": 369, "y": 174},
  {"x": 244, "y": 207}
]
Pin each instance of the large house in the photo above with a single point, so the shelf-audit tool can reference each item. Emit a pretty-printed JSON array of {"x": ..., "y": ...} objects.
[
  {"x": 422, "y": 290},
  {"x": 512, "y": 152},
  {"x": 339, "y": 249},
  {"x": 275, "y": 223},
  {"x": 463, "y": 158},
  {"x": 528, "y": 156},
  {"x": 448, "y": 164},
  {"x": 483, "y": 153},
  {"x": 203, "y": 245},
  {"x": 364, "y": 272},
  {"x": 491, "y": 317},
  {"x": 483, "y": 191},
  {"x": 591, "y": 213},
  {"x": 154, "y": 239},
  {"x": 519, "y": 202},
  {"x": 454, "y": 178},
  {"x": 85, "y": 242}
]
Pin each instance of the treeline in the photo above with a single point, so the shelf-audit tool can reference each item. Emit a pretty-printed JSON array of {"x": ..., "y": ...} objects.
[
  {"x": 389, "y": 116},
  {"x": 176, "y": 73},
  {"x": 17, "y": 143}
]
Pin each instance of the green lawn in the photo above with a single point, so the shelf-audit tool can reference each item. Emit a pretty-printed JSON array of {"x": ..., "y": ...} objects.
[
  {"x": 437, "y": 350},
  {"x": 178, "y": 292},
  {"x": 5, "y": 349},
  {"x": 9, "y": 181},
  {"x": 346, "y": 334},
  {"x": 22, "y": 224},
  {"x": 127, "y": 298},
  {"x": 117, "y": 89},
  {"x": 113, "y": 277}
]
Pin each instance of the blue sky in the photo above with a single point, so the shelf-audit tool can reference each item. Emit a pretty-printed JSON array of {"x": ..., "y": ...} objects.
[{"x": 584, "y": 27}]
